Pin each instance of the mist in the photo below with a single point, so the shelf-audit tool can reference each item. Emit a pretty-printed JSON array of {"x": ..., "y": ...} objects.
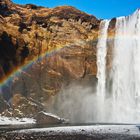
[{"x": 76, "y": 103}]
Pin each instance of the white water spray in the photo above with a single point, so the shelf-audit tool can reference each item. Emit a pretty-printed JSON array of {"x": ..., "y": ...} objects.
[
  {"x": 123, "y": 103},
  {"x": 126, "y": 70},
  {"x": 101, "y": 64}
]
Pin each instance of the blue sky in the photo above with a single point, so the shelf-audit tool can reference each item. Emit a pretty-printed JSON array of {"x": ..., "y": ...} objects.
[{"x": 104, "y": 9}]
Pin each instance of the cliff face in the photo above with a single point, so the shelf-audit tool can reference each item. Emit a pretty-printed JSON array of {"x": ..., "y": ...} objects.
[{"x": 26, "y": 32}]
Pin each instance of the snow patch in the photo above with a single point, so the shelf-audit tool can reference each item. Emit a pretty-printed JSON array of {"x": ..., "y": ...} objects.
[
  {"x": 16, "y": 121},
  {"x": 51, "y": 115}
]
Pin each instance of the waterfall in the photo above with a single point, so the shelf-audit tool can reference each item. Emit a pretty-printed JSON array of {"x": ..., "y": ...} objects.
[
  {"x": 117, "y": 95},
  {"x": 101, "y": 64},
  {"x": 122, "y": 105},
  {"x": 126, "y": 70}
]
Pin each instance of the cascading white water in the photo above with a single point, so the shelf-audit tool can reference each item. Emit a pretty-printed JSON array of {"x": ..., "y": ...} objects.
[
  {"x": 126, "y": 70},
  {"x": 101, "y": 64},
  {"x": 123, "y": 104}
]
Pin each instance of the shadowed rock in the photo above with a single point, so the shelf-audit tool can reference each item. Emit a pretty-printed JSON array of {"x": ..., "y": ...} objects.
[{"x": 48, "y": 119}]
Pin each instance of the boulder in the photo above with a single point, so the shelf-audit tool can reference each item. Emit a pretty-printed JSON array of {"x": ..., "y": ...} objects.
[{"x": 48, "y": 119}]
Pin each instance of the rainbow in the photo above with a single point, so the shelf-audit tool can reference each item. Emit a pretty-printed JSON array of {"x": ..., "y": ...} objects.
[{"x": 26, "y": 65}]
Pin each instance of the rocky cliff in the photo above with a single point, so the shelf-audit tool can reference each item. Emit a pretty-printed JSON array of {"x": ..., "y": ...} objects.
[{"x": 29, "y": 31}]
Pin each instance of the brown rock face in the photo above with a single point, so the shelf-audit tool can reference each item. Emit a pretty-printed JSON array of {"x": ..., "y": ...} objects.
[
  {"x": 5, "y": 6},
  {"x": 27, "y": 31}
]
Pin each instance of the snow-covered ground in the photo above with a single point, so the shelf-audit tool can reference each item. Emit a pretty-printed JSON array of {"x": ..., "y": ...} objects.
[
  {"x": 86, "y": 129},
  {"x": 95, "y": 132},
  {"x": 15, "y": 121},
  {"x": 19, "y": 121},
  {"x": 93, "y": 129}
]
